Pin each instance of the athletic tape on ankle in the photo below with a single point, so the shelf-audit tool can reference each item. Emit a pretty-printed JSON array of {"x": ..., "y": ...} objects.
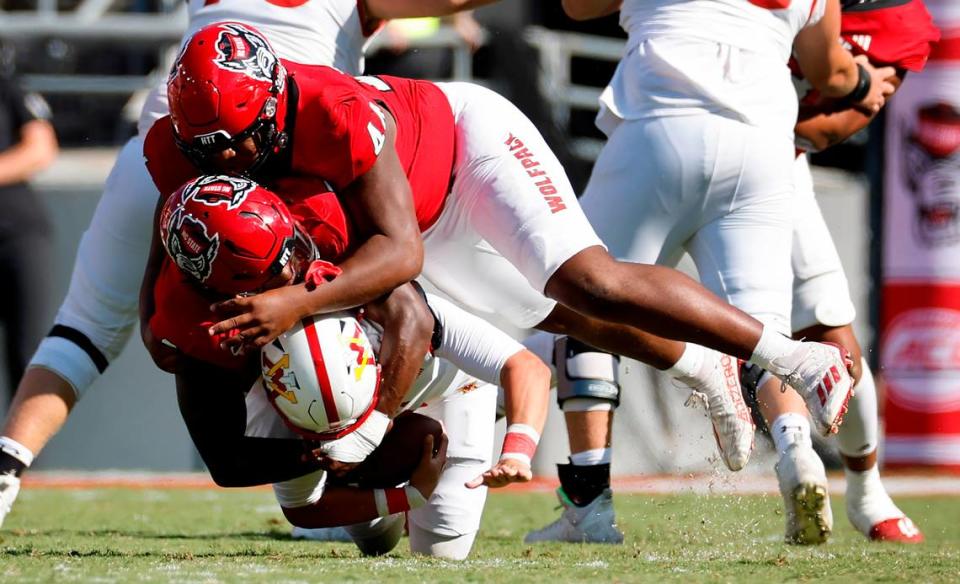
[
  {"x": 397, "y": 500},
  {"x": 520, "y": 443},
  {"x": 16, "y": 450}
]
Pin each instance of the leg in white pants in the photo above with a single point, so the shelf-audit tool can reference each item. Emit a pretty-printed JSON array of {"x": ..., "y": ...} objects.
[
  {"x": 100, "y": 308},
  {"x": 447, "y": 525},
  {"x": 712, "y": 186}
]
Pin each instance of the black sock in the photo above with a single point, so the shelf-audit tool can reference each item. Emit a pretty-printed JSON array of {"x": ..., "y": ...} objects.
[
  {"x": 10, "y": 465},
  {"x": 583, "y": 484}
]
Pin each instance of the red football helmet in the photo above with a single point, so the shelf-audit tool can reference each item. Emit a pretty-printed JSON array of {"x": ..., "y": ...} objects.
[
  {"x": 228, "y": 233},
  {"x": 226, "y": 86}
]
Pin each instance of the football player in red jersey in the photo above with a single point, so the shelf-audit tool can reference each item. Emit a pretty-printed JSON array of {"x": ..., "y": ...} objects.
[
  {"x": 99, "y": 311},
  {"x": 489, "y": 193},
  {"x": 890, "y": 33},
  {"x": 226, "y": 235}
]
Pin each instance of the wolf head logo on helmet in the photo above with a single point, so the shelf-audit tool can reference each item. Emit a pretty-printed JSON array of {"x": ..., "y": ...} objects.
[
  {"x": 244, "y": 51},
  {"x": 190, "y": 246},
  {"x": 227, "y": 86},
  {"x": 228, "y": 233},
  {"x": 219, "y": 190}
]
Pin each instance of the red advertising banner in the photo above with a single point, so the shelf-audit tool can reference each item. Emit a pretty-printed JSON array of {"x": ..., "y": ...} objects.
[{"x": 920, "y": 342}]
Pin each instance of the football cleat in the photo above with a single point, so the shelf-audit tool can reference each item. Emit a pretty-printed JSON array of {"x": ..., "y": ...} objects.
[
  {"x": 321, "y": 534},
  {"x": 900, "y": 530},
  {"x": 820, "y": 373},
  {"x": 803, "y": 485},
  {"x": 592, "y": 523},
  {"x": 732, "y": 424},
  {"x": 874, "y": 514},
  {"x": 9, "y": 488}
]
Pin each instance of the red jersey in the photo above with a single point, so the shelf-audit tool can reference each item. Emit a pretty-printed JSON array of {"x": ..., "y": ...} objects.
[
  {"x": 182, "y": 311},
  {"x": 339, "y": 131},
  {"x": 895, "y": 33},
  {"x": 340, "y": 126}
]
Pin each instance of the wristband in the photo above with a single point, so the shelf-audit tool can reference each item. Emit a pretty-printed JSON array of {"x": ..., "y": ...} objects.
[
  {"x": 397, "y": 500},
  {"x": 520, "y": 443},
  {"x": 862, "y": 88}
]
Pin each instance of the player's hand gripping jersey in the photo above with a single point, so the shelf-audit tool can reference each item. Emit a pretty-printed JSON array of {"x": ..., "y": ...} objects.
[{"x": 895, "y": 33}]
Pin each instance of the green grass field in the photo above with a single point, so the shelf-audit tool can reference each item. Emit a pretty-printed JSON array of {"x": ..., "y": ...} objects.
[{"x": 126, "y": 535}]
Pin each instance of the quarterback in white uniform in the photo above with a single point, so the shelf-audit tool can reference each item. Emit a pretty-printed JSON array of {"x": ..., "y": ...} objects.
[
  {"x": 699, "y": 117},
  {"x": 446, "y": 524},
  {"x": 100, "y": 310}
]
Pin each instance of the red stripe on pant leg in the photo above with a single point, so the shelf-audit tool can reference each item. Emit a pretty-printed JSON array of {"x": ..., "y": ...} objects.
[
  {"x": 326, "y": 392},
  {"x": 397, "y": 501}
]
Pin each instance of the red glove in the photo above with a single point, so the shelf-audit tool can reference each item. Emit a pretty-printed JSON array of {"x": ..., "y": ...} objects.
[{"x": 320, "y": 272}]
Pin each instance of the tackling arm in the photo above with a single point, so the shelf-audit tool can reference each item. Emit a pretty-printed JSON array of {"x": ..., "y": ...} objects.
[
  {"x": 381, "y": 205},
  {"x": 213, "y": 407}
]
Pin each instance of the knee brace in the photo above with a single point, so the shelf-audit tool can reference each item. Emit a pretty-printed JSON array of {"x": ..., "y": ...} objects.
[
  {"x": 584, "y": 372},
  {"x": 72, "y": 356}
]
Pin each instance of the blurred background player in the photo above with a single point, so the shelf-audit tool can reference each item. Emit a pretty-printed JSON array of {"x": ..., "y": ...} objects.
[
  {"x": 890, "y": 33},
  {"x": 100, "y": 310},
  {"x": 28, "y": 144},
  {"x": 711, "y": 108}
]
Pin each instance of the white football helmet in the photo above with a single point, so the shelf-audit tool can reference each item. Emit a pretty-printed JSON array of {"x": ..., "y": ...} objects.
[{"x": 322, "y": 376}]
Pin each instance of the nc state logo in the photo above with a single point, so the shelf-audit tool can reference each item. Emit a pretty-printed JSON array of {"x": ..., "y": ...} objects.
[
  {"x": 244, "y": 51},
  {"x": 191, "y": 248},
  {"x": 219, "y": 190},
  {"x": 933, "y": 173}
]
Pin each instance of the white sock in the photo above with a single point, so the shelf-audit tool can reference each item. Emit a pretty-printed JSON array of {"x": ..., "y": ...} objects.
[
  {"x": 867, "y": 501},
  {"x": 859, "y": 435},
  {"x": 788, "y": 429},
  {"x": 16, "y": 450},
  {"x": 772, "y": 345},
  {"x": 690, "y": 362},
  {"x": 591, "y": 457}
]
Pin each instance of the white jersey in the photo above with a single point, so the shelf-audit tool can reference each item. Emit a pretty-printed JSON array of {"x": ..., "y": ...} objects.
[
  {"x": 471, "y": 353},
  {"x": 313, "y": 32},
  {"x": 693, "y": 57}
]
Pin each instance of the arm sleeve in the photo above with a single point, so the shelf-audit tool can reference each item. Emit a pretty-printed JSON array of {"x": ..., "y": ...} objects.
[
  {"x": 213, "y": 407},
  {"x": 472, "y": 344}
]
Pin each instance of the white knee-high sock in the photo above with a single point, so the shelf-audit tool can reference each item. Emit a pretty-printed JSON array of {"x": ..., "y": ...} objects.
[{"x": 858, "y": 435}]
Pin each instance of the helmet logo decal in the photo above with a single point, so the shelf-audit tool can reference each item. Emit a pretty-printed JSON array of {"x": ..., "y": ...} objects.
[
  {"x": 219, "y": 190},
  {"x": 191, "y": 247},
  {"x": 244, "y": 51}
]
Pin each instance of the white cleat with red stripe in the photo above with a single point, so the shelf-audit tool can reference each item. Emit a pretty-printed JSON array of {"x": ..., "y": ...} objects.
[
  {"x": 820, "y": 373},
  {"x": 873, "y": 513},
  {"x": 732, "y": 424}
]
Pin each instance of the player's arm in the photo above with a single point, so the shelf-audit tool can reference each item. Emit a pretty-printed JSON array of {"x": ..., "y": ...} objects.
[
  {"x": 347, "y": 505},
  {"x": 36, "y": 150},
  {"x": 166, "y": 358},
  {"x": 588, "y": 9},
  {"x": 487, "y": 353},
  {"x": 387, "y": 9},
  {"x": 213, "y": 406},
  {"x": 381, "y": 205},
  {"x": 833, "y": 70},
  {"x": 823, "y": 126}
]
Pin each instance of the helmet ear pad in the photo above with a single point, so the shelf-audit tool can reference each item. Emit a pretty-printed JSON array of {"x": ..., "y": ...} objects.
[
  {"x": 228, "y": 234},
  {"x": 227, "y": 85}
]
